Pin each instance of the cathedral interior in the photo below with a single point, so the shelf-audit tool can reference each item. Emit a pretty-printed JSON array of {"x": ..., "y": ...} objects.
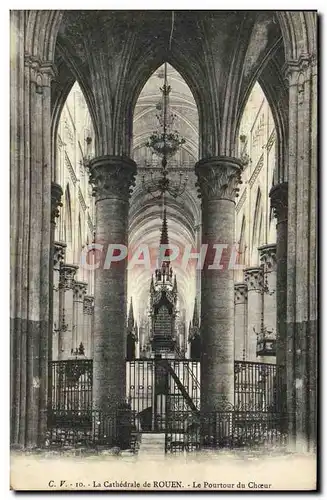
[{"x": 150, "y": 130}]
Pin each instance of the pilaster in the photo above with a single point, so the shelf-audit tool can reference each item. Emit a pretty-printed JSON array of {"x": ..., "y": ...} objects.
[
  {"x": 240, "y": 300},
  {"x": 284, "y": 341},
  {"x": 66, "y": 300},
  {"x": 269, "y": 267},
  {"x": 302, "y": 243},
  {"x": 80, "y": 290},
  {"x": 253, "y": 277},
  {"x": 88, "y": 313},
  {"x": 31, "y": 246},
  {"x": 58, "y": 260}
]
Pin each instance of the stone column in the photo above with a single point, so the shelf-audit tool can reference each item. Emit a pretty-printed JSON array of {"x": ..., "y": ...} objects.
[
  {"x": 112, "y": 178},
  {"x": 268, "y": 258},
  {"x": 88, "y": 313},
  {"x": 55, "y": 258},
  {"x": 253, "y": 279},
  {"x": 80, "y": 288},
  {"x": 58, "y": 259},
  {"x": 302, "y": 247},
  {"x": 30, "y": 234},
  {"x": 284, "y": 346},
  {"x": 218, "y": 179},
  {"x": 241, "y": 323},
  {"x": 66, "y": 300}
]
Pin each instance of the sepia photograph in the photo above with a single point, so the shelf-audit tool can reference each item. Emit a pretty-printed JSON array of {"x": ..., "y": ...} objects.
[{"x": 163, "y": 250}]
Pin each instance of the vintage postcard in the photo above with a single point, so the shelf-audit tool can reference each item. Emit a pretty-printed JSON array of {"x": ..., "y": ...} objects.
[{"x": 163, "y": 250}]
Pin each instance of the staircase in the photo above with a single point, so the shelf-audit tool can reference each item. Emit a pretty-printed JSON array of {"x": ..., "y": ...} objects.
[
  {"x": 187, "y": 397},
  {"x": 181, "y": 355},
  {"x": 152, "y": 446}
]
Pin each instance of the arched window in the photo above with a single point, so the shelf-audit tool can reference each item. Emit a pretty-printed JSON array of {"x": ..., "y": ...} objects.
[
  {"x": 257, "y": 222},
  {"x": 257, "y": 137},
  {"x": 68, "y": 218},
  {"x": 68, "y": 226},
  {"x": 79, "y": 239},
  {"x": 241, "y": 243}
]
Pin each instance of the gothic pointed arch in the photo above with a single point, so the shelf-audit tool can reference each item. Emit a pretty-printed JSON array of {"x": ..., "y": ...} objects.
[
  {"x": 70, "y": 71},
  {"x": 184, "y": 109},
  {"x": 192, "y": 72},
  {"x": 42, "y": 28},
  {"x": 299, "y": 29},
  {"x": 145, "y": 209}
]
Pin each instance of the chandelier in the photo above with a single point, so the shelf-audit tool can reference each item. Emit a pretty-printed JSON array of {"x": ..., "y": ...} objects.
[{"x": 165, "y": 143}]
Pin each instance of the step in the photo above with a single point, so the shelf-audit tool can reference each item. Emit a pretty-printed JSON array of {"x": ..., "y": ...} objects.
[{"x": 152, "y": 445}]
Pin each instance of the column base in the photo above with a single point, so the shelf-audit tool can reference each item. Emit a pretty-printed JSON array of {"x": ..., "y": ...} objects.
[{"x": 28, "y": 382}]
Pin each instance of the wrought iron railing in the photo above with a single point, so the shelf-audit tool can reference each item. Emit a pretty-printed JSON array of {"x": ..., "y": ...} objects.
[
  {"x": 71, "y": 428},
  {"x": 154, "y": 386},
  {"x": 225, "y": 429},
  {"x": 256, "y": 387},
  {"x": 164, "y": 396},
  {"x": 71, "y": 385}
]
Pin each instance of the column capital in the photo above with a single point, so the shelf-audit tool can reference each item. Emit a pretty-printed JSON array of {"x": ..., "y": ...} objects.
[
  {"x": 80, "y": 289},
  {"x": 56, "y": 194},
  {"x": 41, "y": 72},
  {"x": 59, "y": 252},
  {"x": 279, "y": 201},
  {"x": 240, "y": 293},
  {"x": 253, "y": 277},
  {"x": 218, "y": 178},
  {"x": 306, "y": 65},
  {"x": 268, "y": 256},
  {"x": 88, "y": 304},
  {"x": 67, "y": 276},
  {"x": 112, "y": 177}
]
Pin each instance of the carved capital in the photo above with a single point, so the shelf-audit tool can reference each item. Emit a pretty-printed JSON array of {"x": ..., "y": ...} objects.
[
  {"x": 279, "y": 201},
  {"x": 41, "y": 72},
  {"x": 59, "y": 252},
  {"x": 240, "y": 293},
  {"x": 218, "y": 178},
  {"x": 253, "y": 277},
  {"x": 268, "y": 257},
  {"x": 56, "y": 194},
  {"x": 112, "y": 177},
  {"x": 48, "y": 72},
  {"x": 67, "y": 276},
  {"x": 80, "y": 289},
  {"x": 88, "y": 304}
]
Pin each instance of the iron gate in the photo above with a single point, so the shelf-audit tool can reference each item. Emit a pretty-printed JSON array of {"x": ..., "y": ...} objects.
[
  {"x": 164, "y": 396},
  {"x": 258, "y": 386},
  {"x": 159, "y": 386},
  {"x": 71, "y": 385},
  {"x": 255, "y": 419}
]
